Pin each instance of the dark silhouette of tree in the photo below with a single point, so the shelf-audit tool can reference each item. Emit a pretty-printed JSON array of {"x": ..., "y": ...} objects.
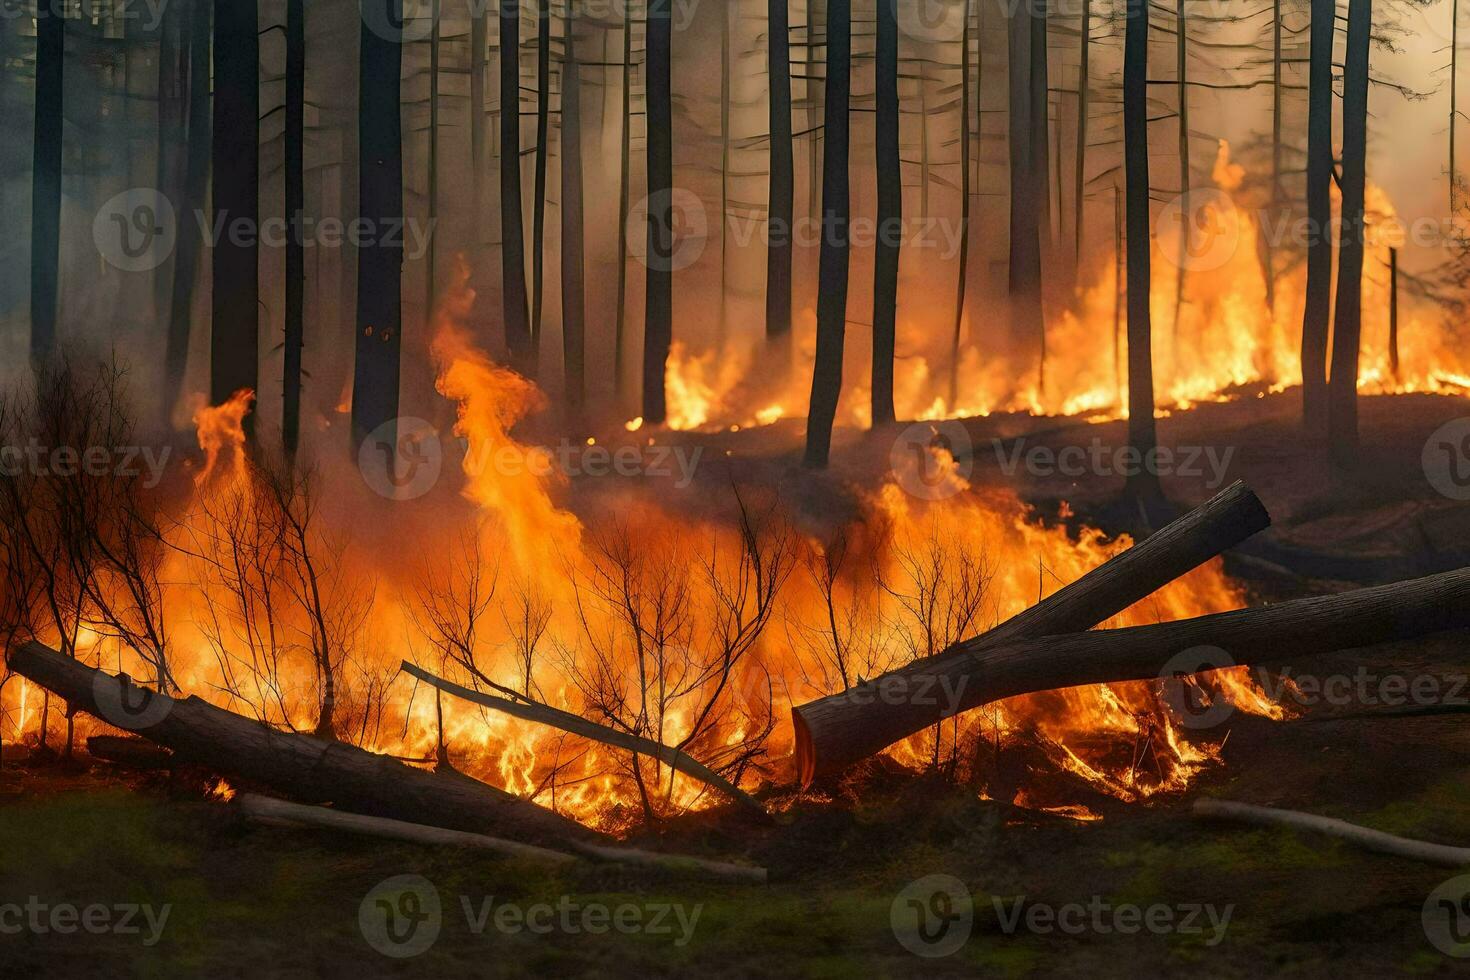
[
  {"x": 573, "y": 296},
  {"x": 46, "y": 179},
  {"x": 1319, "y": 216},
  {"x": 543, "y": 137},
  {"x": 1084, "y": 98},
  {"x": 962, "y": 281},
  {"x": 431, "y": 256},
  {"x": 295, "y": 139},
  {"x": 658, "y": 319},
  {"x": 836, "y": 246},
  {"x": 889, "y": 169},
  {"x": 782, "y": 190},
  {"x": 1028, "y": 178},
  {"x": 235, "y": 327},
  {"x": 1181, "y": 81},
  {"x": 1342, "y": 396},
  {"x": 518, "y": 337},
  {"x": 479, "y": 66},
  {"x": 625, "y": 161},
  {"x": 1141, "y": 433},
  {"x": 380, "y": 202}
]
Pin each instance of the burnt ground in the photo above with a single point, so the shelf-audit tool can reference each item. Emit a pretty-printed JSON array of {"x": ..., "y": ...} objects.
[{"x": 252, "y": 900}]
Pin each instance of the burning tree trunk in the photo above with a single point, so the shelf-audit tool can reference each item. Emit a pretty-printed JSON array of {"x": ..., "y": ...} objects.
[
  {"x": 658, "y": 307},
  {"x": 518, "y": 336},
  {"x": 845, "y": 728},
  {"x": 380, "y": 202},
  {"x": 1319, "y": 217},
  {"x": 1141, "y": 433},
  {"x": 782, "y": 193},
  {"x": 889, "y": 167},
  {"x": 295, "y": 146},
  {"x": 302, "y": 767},
  {"x": 235, "y": 332},
  {"x": 46, "y": 178},
  {"x": 1229, "y": 518},
  {"x": 1342, "y": 395},
  {"x": 836, "y": 207},
  {"x": 573, "y": 304}
]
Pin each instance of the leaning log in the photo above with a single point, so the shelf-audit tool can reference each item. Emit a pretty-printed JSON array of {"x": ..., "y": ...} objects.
[
  {"x": 302, "y": 767},
  {"x": 1365, "y": 837},
  {"x": 1228, "y": 518},
  {"x": 837, "y": 731}
]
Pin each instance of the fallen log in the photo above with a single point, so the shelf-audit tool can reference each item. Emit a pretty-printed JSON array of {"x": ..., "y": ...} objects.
[
  {"x": 1225, "y": 520},
  {"x": 577, "y": 725},
  {"x": 1365, "y": 837},
  {"x": 133, "y": 753},
  {"x": 839, "y": 730},
  {"x": 267, "y": 810},
  {"x": 302, "y": 767}
]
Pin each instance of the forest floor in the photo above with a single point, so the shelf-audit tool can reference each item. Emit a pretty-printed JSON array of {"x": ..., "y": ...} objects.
[{"x": 247, "y": 900}]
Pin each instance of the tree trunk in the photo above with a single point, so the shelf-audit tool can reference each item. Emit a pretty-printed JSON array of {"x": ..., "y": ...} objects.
[
  {"x": 886, "y": 251},
  {"x": 518, "y": 337},
  {"x": 780, "y": 216},
  {"x": 235, "y": 327},
  {"x": 1393, "y": 313},
  {"x": 479, "y": 66},
  {"x": 1181, "y": 77},
  {"x": 1342, "y": 396},
  {"x": 1027, "y": 203},
  {"x": 573, "y": 301},
  {"x": 49, "y": 123},
  {"x": 1454, "y": 92},
  {"x": 658, "y": 317},
  {"x": 836, "y": 211},
  {"x": 303, "y": 767},
  {"x": 1268, "y": 250},
  {"x": 380, "y": 201},
  {"x": 172, "y": 89},
  {"x": 962, "y": 283},
  {"x": 431, "y": 256},
  {"x": 1142, "y": 437},
  {"x": 295, "y": 140},
  {"x": 845, "y": 728},
  {"x": 624, "y": 179},
  {"x": 1319, "y": 217},
  {"x": 1084, "y": 94},
  {"x": 538, "y": 208}
]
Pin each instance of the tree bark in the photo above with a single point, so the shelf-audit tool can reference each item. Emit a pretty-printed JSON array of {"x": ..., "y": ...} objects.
[
  {"x": 842, "y": 729},
  {"x": 1318, "y": 308},
  {"x": 886, "y": 251},
  {"x": 658, "y": 313},
  {"x": 625, "y": 159},
  {"x": 380, "y": 202},
  {"x": 1230, "y": 517},
  {"x": 295, "y": 153},
  {"x": 543, "y": 137},
  {"x": 479, "y": 66},
  {"x": 836, "y": 246},
  {"x": 1084, "y": 93},
  {"x": 49, "y": 124},
  {"x": 235, "y": 326},
  {"x": 1342, "y": 394},
  {"x": 1027, "y": 183},
  {"x": 782, "y": 181},
  {"x": 962, "y": 278},
  {"x": 1142, "y": 436},
  {"x": 303, "y": 767},
  {"x": 573, "y": 297},
  {"x": 518, "y": 337}
]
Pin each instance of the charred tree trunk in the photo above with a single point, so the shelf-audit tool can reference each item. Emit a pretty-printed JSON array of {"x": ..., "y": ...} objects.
[
  {"x": 380, "y": 201},
  {"x": 886, "y": 252},
  {"x": 1342, "y": 396},
  {"x": 1268, "y": 250},
  {"x": 1142, "y": 436},
  {"x": 624, "y": 177},
  {"x": 431, "y": 256},
  {"x": 781, "y": 214},
  {"x": 1319, "y": 217},
  {"x": 962, "y": 283},
  {"x": 295, "y": 140},
  {"x": 173, "y": 122},
  {"x": 1393, "y": 313},
  {"x": 573, "y": 301},
  {"x": 235, "y": 326},
  {"x": 479, "y": 66},
  {"x": 836, "y": 211},
  {"x": 658, "y": 318},
  {"x": 1084, "y": 94},
  {"x": 303, "y": 767},
  {"x": 49, "y": 123},
  {"x": 1181, "y": 70},
  {"x": 518, "y": 337},
  {"x": 538, "y": 208},
  {"x": 196, "y": 186},
  {"x": 1027, "y": 189},
  {"x": 837, "y": 731}
]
